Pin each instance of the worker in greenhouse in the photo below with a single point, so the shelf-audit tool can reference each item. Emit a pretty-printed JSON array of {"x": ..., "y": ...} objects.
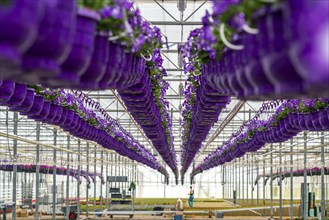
[{"x": 191, "y": 198}]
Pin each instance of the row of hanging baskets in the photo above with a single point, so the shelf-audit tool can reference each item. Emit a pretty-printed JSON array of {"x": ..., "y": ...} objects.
[
  {"x": 264, "y": 50},
  {"x": 76, "y": 114},
  {"x": 73, "y": 44},
  {"x": 290, "y": 118},
  {"x": 152, "y": 117},
  {"x": 88, "y": 45},
  {"x": 205, "y": 112},
  {"x": 316, "y": 171},
  {"x": 45, "y": 169}
]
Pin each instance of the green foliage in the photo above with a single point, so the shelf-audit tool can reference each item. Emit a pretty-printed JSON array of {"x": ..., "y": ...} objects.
[
  {"x": 204, "y": 57},
  {"x": 303, "y": 108},
  {"x": 280, "y": 116},
  {"x": 156, "y": 76},
  {"x": 320, "y": 105},
  {"x": 249, "y": 8},
  {"x": 283, "y": 114},
  {"x": 91, "y": 4},
  {"x": 38, "y": 89},
  {"x": 243, "y": 140},
  {"x": 92, "y": 121},
  {"x": 5, "y": 2},
  {"x": 110, "y": 24},
  {"x": 51, "y": 97},
  {"x": 251, "y": 133}
]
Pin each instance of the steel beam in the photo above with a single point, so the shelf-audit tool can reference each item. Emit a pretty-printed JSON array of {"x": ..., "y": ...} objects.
[
  {"x": 101, "y": 185},
  {"x": 271, "y": 183},
  {"x": 247, "y": 179},
  {"x": 78, "y": 184},
  {"x": 200, "y": 6},
  {"x": 106, "y": 184},
  {"x": 240, "y": 183},
  {"x": 174, "y": 69},
  {"x": 15, "y": 166},
  {"x": 257, "y": 185},
  {"x": 251, "y": 169},
  {"x": 323, "y": 188},
  {"x": 54, "y": 177},
  {"x": 68, "y": 177},
  {"x": 165, "y": 10},
  {"x": 280, "y": 186},
  {"x": 37, "y": 175},
  {"x": 263, "y": 211},
  {"x": 243, "y": 185},
  {"x": 177, "y": 23},
  {"x": 291, "y": 180},
  {"x": 95, "y": 182},
  {"x": 305, "y": 205},
  {"x": 87, "y": 190}
]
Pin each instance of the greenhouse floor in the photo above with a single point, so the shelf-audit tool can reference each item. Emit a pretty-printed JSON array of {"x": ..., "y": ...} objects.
[{"x": 201, "y": 210}]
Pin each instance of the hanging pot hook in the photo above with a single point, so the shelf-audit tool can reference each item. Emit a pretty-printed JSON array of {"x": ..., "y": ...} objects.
[
  {"x": 225, "y": 41},
  {"x": 147, "y": 58},
  {"x": 249, "y": 29}
]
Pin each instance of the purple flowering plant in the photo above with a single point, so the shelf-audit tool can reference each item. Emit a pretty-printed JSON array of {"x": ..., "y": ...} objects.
[
  {"x": 236, "y": 14},
  {"x": 304, "y": 106},
  {"x": 127, "y": 27},
  {"x": 46, "y": 169},
  {"x": 312, "y": 105},
  {"x": 91, "y": 112},
  {"x": 248, "y": 130},
  {"x": 159, "y": 88},
  {"x": 192, "y": 67}
]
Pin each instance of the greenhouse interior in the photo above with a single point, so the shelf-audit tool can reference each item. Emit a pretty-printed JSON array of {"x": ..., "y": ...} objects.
[{"x": 195, "y": 109}]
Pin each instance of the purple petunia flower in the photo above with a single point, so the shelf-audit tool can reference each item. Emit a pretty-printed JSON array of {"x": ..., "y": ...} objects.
[
  {"x": 157, "y": 58},
  {"x": 138, "y": 43},
  {"x": 112, "y": 11}
]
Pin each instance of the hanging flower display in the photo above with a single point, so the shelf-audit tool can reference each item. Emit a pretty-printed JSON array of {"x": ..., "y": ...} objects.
[
  {"x": 77, "y": 114},
  {"x": 260, "y": 50},
  {"x": 45, "y": 169},
  {"x": 290, "y": 117}
]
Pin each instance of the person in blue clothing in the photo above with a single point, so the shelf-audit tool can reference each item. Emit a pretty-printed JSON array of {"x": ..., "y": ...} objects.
[{"x": 191, "y": 198}]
